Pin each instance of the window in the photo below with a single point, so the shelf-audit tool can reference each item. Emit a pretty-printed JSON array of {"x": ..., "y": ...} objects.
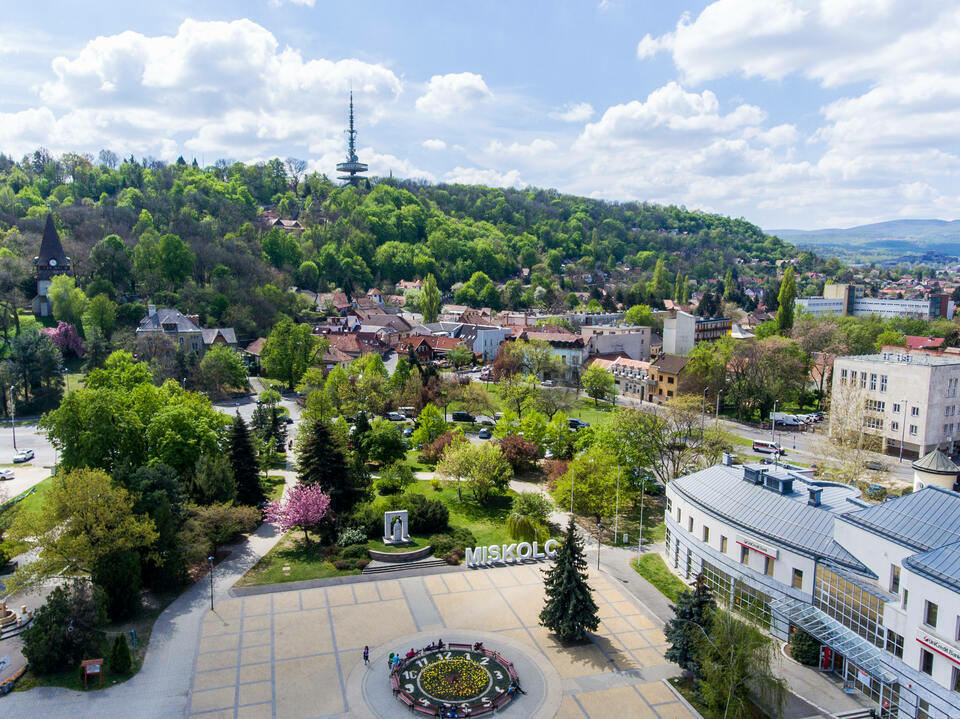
[
  {"x": 854, "y": 606},
  {"x": 744, "y": 555},
  {"x": 669, "y": 505},
  {"x": 930, "y": 614},
  {"x": 895, "y": 644},
  {"x": 913, "y": 429},
  {"x": 873, "y": 381},
  {"x": 679, "y": 513},
  {"x": 914, "y": 411},
  {"x": 906, "y": 596},
  {"x": 669, "y": 380},
  {"x": 797, "y": 581},
  {"x": 894, "y": 579},
  {"x": 883, "y": 383},
  {"x": 180, "y": 340},
  {"x": 723, "y": 548},
  {"x": 875, "y": 423},
  {"x": 894, "y": 426},
  {"x": 690, "y": 524},
  {"x": 863, "y": 380},
  {"x": 706, "y": 533},
  {"x": 923, "y": 709},
  {"x": 955, "y": 680},
  {"x": 926, "y": 662},
  {"x": 689, "y": 556},
  {"x": 768, "y": 566},
  {"x": 896, "y": 408},
  {"x": 843, "y": 376}
]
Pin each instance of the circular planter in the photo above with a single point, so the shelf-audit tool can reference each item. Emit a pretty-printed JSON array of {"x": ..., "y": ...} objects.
[{"x": 399, "y": 557}]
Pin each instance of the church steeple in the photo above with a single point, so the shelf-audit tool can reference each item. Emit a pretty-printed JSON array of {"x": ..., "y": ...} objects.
[
  {"x": 352, "y": 167},
  {"x": 50, "y": 262}
]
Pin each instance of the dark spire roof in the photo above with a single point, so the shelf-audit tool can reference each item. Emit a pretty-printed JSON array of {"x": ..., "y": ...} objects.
[
  {"x": 936, "y": 462},
  {"x": 50, "y": 247}
]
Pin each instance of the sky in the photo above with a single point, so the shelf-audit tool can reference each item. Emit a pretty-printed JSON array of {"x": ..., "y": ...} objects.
[{"x": 789, "y": 113}]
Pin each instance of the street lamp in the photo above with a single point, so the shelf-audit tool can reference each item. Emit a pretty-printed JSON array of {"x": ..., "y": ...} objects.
[
  {"x": 717, "y": 413},
  {"x": 616, "y": 515},
  {"x": 643, "y": 484},
  {"x": 210, "y": 559},
  {"x": 599, "y": 527},
  {"x": 703, "y": 409},
  {"x": 773, "y": 432},
  {"x": 13, "y": 422}
]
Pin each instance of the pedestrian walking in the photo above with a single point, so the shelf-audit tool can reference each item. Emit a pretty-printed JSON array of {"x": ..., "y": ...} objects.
[{"x": 366, "y": 655}]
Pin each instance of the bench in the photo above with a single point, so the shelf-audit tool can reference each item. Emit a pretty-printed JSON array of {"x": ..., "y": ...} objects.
[
  {"x": 505, "y": 699},
  {"x": 394, "y": 683},
  {"x": 432, "y": 711},
  {"x": 405, "y": 698}
]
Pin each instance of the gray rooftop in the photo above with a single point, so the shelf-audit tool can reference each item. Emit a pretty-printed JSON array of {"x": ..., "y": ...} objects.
[
  {"x": 905, "y": 358},
  {"x": 942, "y": 565},
  {"x": 170, "y": 317},
  {"x": 922, "y": 521},
  {"x": 785, "y": 519},
  {"x": 936, "y": 462}
]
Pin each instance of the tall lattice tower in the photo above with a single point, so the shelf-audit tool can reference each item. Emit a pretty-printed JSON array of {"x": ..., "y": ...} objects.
[{"x": 352, "y": 168}]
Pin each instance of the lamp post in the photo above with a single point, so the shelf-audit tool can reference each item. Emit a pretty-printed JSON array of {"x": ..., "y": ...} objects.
[
  {"x": 616, "y": 514},
  {"x": 13, "y": 420},
  {"x": 903, "y": 430},
  {"x": 643, "y": 484},
  {"x": 703, "y": 409},
  {"x": 717, "y": 413},
  {"x": 599, "y": 527},
  {"x": 773, "y": 432},
  {"x": 210, "y": 559}
]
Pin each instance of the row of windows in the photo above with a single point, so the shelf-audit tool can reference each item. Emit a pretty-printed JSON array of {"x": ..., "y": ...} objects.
[
  {"x": 736, "y": 595},
  {"x": 849, "y": 604},
  {"x": 863, "y": 379}
]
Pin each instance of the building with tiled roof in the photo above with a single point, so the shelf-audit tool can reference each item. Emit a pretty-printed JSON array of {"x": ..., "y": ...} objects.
[{"x": 184, "y": 330}]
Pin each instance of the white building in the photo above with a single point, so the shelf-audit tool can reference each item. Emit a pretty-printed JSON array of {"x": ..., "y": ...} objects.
[
  {"x": 681, "y": 331},
  {"x": 878, "y": 586},
  {"x": 848, "y": 299},
  {"x": 911, "y": 398},
  {"x": 632, "y": 341}
]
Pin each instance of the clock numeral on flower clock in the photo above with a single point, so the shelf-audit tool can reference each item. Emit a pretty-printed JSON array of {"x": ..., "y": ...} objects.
[
  {"x": 410, "y": 674},
  {"x": 408, "y": 687}
]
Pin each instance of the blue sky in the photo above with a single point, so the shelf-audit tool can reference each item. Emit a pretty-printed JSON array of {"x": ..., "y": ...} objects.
[{"x": 791, "y": 113}]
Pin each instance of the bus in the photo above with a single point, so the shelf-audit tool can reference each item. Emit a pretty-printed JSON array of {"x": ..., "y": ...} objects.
[{"x": 764, "y": 447}]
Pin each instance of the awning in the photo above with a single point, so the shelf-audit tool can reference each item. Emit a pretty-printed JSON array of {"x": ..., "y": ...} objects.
[{"x": 829, "y": 631}]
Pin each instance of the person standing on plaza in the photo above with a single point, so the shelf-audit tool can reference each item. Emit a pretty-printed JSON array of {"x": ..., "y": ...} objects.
[{"x": 366, "y": 655}]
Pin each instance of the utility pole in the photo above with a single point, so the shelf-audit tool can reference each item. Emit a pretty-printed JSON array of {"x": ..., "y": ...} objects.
[
  {"x": 13, "y": 421},
  {"x": 643, "y": 484},
  {"x": 703, "y": 409},
  {"x": 773, "y": 432},
  {"x": 717, "y": 414},
  {"x": 616, "y": 515},
  {"x": 210, "y": 559}
]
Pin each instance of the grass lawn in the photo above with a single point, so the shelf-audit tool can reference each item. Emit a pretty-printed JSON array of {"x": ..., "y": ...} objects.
[
  {"x": 34, "y": 497},
  {"x": 305, "y": 562},
  {"x": 485, "y": 521},
  {"x": 416, "y": 464},
  {"x": 652, "y": 568},
  {"x": 653, "y": 526},
  {"x": 273, "y": 486}
]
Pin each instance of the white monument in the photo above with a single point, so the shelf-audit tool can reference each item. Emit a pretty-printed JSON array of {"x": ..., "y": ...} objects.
[{"x": 396, "y": 527}]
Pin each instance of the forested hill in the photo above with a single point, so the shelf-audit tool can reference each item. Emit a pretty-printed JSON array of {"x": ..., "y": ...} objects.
[{"x": 188, "y": 236}]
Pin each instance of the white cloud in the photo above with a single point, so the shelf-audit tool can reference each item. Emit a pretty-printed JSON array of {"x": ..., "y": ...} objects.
[
  {"x": 212, "y": 87},
  {"x": 580, "y": 112},
  {"x": 434, "y": 144},
  {"x": 456, "y": 92},
  {"x": 775, "y": 136},
  {"x": 307, "y": 3},
  {"x": 535, "y": 148},
  {"x": 479, "y": 176}
]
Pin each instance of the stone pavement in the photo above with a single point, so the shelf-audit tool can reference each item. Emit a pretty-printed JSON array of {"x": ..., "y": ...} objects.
[{"x": 296, "y": 654}]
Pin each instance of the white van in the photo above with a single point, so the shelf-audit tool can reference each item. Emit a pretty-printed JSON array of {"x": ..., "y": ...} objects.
[
  {"x": 786, "y": 420},
  {"x": 764, "y": 447}
]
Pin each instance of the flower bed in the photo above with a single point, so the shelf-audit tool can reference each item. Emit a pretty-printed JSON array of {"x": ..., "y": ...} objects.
[{"x": 454, "y": 680}]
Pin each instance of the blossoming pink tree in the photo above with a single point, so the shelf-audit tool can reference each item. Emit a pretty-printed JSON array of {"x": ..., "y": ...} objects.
[
  {"x": 66, "y": 338},
  {"x": 304, "y": 506}
]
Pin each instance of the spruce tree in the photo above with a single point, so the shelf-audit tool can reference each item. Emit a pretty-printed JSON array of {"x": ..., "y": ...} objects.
[
  {"x": 243, "y": 460},
  {"x": 569, "y": 611},
  {"x": 691, "y": 608},
  {"x": 322, "y": 462},
  {"x": 120, "y": 660}
]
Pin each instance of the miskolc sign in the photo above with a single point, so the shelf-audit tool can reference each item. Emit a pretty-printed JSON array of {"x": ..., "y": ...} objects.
[{"x": 510, "y": 553}]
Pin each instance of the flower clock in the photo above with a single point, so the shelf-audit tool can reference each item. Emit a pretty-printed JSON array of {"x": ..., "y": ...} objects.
[{"x": 471, "y": 680}]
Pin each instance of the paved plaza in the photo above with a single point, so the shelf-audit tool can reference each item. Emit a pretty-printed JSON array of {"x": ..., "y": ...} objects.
[{"x": 297, "y": 654}]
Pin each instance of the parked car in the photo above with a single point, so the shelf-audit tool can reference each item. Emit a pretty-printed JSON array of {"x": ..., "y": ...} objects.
[
  {"x": 408, "y": 412},
  {"x": 396, "y": 417},
  {"x": 461, "y": 416},
  {"x": 577, "y": 423},
  {"x": 549, "y": 383},
  {"x": 6, "y": 474},
  {"x": 874, "y": 465},
  {"x": 288, "y": 419},
  {"x": 24, "y": 455},
  {"x": 408, "y": 431},
  {"x": 764, "y": 447},
  {"x": 485, "y": 420},
  {"x": 485, "y": 433}
]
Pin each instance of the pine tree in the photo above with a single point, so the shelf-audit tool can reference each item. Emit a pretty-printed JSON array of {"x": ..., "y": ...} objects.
[
  {"x": 120, "y": 655},
  {"x": 786, "y": 298},
  {"x": 322, "y": 463},
  {"x": 691, "y": 608},
  {"x": 569, "y": 611},
  {"x": 243, "y": 460},
  {"x": 686, "y": 290}
]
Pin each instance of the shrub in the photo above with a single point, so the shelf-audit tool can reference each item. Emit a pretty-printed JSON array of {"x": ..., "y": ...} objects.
[
  {"x": 453, "y": 557},
  {"x": 458, "y": 539},
  {"x": 804, "y": 648},
  {"x": 351, "y": 535},
  {"x": 555, "y": 469},
  {"x": 426, "y": 515},
  {"x": 341, "y": 564},
  {"x": 368, "y": 516},
  {"x": 520, "y": 453},
  {"x": 436, "y": 485},
  {"x": 120, "y": 661},
  {"x": 433, "y": 451},
  {"x": 118, "y": 575},
  {"x": 48, "y": 645},
  {"x": 533, "y": 505},
  {"x": 354, "y": 551},
  {"x": 395, "y": 478}
]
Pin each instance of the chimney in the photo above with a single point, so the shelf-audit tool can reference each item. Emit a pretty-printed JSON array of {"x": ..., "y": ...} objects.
[
  {"x": 151, "y": 310},
  {"x": 815, "y": 493},
  {"x": 727, "y": 459}
]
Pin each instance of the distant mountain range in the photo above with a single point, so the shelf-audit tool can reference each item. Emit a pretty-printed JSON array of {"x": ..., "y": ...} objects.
[{"x": 895, "y": 240}]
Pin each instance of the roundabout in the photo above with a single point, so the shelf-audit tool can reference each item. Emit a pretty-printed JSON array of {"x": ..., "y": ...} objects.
[{"x": 467, "y": 678}]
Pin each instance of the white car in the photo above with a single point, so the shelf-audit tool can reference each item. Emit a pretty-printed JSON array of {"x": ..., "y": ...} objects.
[
  {"x": 6, "y": 474},
  {"x": 24, "y": 455}
]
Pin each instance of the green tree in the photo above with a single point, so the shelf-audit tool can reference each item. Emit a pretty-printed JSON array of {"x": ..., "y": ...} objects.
[
  {"x": 321, "y": 462},
  {"x": 430, "y": 299},
  {"x": 460, "y": 356},
  {"x": 786, "y": 298},
  {"x": 243, "y": 462},
  {"x": 221, "y": 370},
  {"x": 569, "y": 610},
  {"x": 176, "y": 260},
  {"x": 598, "y": 383},
  {"x": 639, "y": 315},
  {"x": 528, "y": 516},
  {"x": 308, "y": 276},
  {"x": 889, "y": 337},
  {"x": 118, "y": 575},
  {"x": 736, "y": 665},
  {"x": 120, "y": 661},
  {"x": 384, "y": 444},
  {"x": 69, "y": 302},
  {"x": 112, "y": 261},
  {"x": 288, "y": 351},
  {"x": 100, "y": 316},
  {"x": 691, "y": 608},
  {"x": 213, "y": 480},
  {"x": 83, "y": 518},
  {"x": 120, "y": 372},
  {"x": 431, "y": 426},
  {"x": 592, "y": 477},
  {"x": 659, "y": 286},
  {"x": 558, "y": 438},
  {"x": 65, "y": 629}
]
